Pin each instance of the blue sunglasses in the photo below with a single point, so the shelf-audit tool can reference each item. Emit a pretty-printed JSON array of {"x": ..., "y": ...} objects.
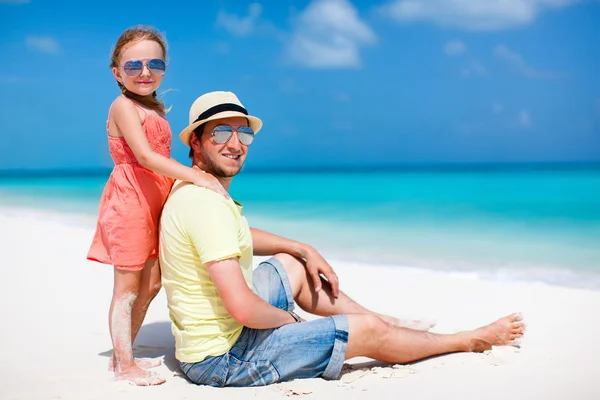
[
  {"x": 222, "y": 133},
  {"x": 133, "y": 68}
]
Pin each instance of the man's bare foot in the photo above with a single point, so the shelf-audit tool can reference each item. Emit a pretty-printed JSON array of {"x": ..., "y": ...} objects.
[
  {"x": 138, "y": 376},
  {"x": 414, "y": 324},
  {"x": 506, "y": 331},
  {"x": 143, "y": 363}
]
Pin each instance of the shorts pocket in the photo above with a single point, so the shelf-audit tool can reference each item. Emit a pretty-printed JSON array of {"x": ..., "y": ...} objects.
[
  {"x": 207, "y": 372},
  {"x": 250, "y": 373}
]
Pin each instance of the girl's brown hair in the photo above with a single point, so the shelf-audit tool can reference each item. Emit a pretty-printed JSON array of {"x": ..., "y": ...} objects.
[{"x": 132, "y": 35}]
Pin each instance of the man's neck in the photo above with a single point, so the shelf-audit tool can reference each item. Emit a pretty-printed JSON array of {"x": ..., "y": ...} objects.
[{"x": 225, "y": 182}]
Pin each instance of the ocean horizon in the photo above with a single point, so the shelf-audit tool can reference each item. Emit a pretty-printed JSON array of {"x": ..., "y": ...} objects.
[
  {"x": 515, "y": 222},
  {"x": 366, "y": 168}
]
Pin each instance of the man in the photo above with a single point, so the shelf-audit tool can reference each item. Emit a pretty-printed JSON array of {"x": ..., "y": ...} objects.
[{"x": 237, "y": 327}]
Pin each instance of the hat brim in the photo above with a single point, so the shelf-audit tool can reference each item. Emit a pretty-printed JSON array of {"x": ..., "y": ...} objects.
[{"x": 254, "y": 123}]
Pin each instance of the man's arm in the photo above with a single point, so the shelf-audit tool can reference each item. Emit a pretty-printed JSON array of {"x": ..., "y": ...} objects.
[
  {"x": 211, "y": 223},
  {"x": 267, "y": 244},
  {"x": 242, "y": 303}
]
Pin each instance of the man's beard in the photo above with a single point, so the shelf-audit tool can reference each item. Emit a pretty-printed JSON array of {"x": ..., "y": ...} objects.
[{"x": 213, "y": 168}]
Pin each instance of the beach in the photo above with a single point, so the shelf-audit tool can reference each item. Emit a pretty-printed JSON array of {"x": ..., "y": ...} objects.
[
  {"x": 442, "y": 156},
  {"x": 55, "y": 341}
]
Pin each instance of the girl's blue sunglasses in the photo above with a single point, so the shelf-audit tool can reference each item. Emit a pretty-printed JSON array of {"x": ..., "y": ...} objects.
[{"x": 133, "y": 68}]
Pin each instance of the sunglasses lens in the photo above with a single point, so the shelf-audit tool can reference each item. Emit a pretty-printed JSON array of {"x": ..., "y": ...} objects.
[
  {"x": 133, "y": 67},
  {"x": 222, "y": 134},
  {"x": 157, "y": 66},
  {"x": 246, "y": 135}
]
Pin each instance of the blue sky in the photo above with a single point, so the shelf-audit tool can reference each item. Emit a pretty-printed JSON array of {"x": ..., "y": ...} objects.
[{"x": 336, "y": 82}]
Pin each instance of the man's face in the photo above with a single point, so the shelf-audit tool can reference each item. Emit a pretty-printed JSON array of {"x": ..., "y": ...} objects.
[{"x": 222, "y": 160}]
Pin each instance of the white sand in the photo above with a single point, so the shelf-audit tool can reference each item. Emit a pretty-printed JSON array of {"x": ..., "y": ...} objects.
[{"x": 55, "y": 344}]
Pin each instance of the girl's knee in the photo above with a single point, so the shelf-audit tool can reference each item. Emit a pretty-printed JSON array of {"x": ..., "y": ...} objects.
[
  {"x": 154, "y": 289},
  {"x": 127, "y": 281},
  {"x": 124, "y": 300}
]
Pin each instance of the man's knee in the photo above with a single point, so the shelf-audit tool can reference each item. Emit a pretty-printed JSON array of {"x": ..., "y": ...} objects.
[
  {"x": 366, "y": 334},
  {"x": 294, "y": 269},
  {"x": 287, "y": 259},
  {"x": 367, "y": 326}
]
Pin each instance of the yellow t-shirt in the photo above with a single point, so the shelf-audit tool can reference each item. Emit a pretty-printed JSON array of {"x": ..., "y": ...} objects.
[{"x": 199, "y": 226}]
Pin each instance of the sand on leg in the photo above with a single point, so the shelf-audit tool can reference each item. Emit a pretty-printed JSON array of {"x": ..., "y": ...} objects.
[
  {"x": 126, "y": 290},
  {"x": 150, "y": 285}
]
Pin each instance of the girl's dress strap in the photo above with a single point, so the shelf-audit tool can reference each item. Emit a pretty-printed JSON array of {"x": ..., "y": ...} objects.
[
  {"x": 140, "y": 107},
  {"x": 108, "y": 117}
]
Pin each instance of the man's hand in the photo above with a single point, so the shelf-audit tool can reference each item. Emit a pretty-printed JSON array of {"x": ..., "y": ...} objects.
[
  {"x": 268, "y": 244},
  {"x": 317, "y": 265}
]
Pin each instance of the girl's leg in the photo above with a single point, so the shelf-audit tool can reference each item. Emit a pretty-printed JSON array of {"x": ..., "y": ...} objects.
[
  {"x": 126, "y": 290},
  {"x": 149, "y": 287}
]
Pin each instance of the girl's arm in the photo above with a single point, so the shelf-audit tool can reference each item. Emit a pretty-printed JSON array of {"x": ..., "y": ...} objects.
[{"x": 127, "y": 120}]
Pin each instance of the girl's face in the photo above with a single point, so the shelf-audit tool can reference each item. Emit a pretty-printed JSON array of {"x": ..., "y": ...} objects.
[{"x": 140, "y": 69}]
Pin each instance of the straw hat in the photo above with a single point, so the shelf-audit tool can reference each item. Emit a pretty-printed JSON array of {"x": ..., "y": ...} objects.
[{"x": 216, "y": 105}]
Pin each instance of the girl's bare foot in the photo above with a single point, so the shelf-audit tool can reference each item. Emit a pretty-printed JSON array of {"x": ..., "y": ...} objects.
[
  {"x": 139, "y": 377},
  {"x": 506, "y": 331},
  {"x": 143, "y": 363}
]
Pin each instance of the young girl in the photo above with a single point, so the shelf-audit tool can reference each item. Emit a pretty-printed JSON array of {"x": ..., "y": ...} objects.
[{"x": 139, "y": 139}]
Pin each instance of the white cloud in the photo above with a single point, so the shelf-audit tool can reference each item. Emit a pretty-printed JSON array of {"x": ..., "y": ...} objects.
[
  {"x": 455, "y": 48},
  {"x": 472, "y": 15},
  {"x": 240, "y": 26},
  {"x": 524, "y": 119},
  {"x": 473, "y": 69},
  {"x": 516, "y": 62},
  {"x": 329, "y": 34},
  {"x": 43, "y": 44}
]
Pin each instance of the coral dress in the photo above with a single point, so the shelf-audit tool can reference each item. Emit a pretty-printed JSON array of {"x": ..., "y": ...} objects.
[{"x": 127, "y": 230}]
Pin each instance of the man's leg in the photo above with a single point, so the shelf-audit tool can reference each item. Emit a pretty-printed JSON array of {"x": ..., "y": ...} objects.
[
  {"x": 324, "y": 304},
  {"x": 371, "y": 336}
]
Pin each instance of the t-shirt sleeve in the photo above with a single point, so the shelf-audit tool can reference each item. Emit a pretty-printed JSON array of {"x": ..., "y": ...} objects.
[{"x": 212, "y": 225}]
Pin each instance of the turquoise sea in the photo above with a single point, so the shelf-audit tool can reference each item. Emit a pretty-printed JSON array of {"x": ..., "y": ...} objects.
[{"x": 518, "y": 223}]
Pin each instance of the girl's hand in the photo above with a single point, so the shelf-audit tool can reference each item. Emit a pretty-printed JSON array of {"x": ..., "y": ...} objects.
[{"x": 208, "y": 181}]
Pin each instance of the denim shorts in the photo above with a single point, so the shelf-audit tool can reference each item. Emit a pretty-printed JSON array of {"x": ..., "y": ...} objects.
[{"x": 264, "y": 356}]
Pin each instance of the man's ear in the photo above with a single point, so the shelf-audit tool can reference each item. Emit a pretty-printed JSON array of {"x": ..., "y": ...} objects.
[{"x": 194, "y": 142}]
